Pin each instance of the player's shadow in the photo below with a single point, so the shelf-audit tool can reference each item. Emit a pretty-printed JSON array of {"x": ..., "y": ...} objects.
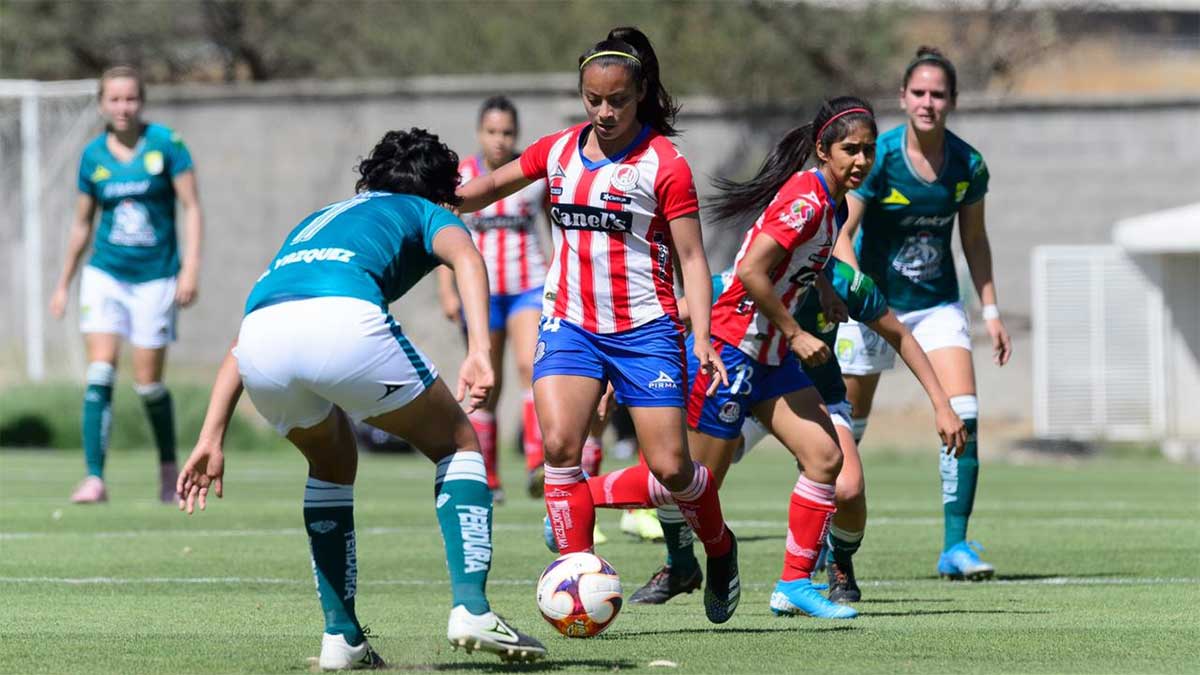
[
  {"x": 545, "y": 666},
  {"x": 745, "y": 539},
  {"x": 898, "y": 601},
  {"x": 1036, "y": 577},
  {"x": 937, "y": 612},
  {"x": 728, "y": 631}
]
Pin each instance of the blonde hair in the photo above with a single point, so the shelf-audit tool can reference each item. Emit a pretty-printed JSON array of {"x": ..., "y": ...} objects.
[{"x": 118, "y": 72}]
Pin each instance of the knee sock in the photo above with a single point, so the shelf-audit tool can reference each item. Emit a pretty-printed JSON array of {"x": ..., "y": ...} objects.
[
  {"x": 161, "y": 411},
  {"x": 531, "y": 434},
  {"x": 592, "y": 454},
  {"x": 633, "y": 487},
  {"x": 464, "y": 513},
  {"x": 701, "y": 507},
  {"x": 329, "y": 520},
  {"x": 570, "y": 508},
  {"x": 858, "y": 427},
  {"x": 843, "y": 544},
  {"x": 960, "y": 476},
  {"x": 97, "y": 415},
  {"x": 681, "y": 558},
  {"x": 808, "y": 519},
  {"x": 484, "y": 424}
]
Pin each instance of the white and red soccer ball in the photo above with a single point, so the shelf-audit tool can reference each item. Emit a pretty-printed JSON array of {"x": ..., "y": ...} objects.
[{"x": 579, "y": 594}]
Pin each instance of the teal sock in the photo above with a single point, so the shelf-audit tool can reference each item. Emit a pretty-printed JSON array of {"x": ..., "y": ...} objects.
[
  {"x": 161, "y": 411},
  {"x": 329, "y": 519},
  {"x": 464, "y": 512},
  {"x": 97, "y": 416},
  {"x": 843, "y": 544},
  {"x": 960, "y": 476},
  {"x": 678, "y": 536}
]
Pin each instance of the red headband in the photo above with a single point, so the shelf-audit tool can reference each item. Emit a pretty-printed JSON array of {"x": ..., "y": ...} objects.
[{"x": 841, "y": 114}]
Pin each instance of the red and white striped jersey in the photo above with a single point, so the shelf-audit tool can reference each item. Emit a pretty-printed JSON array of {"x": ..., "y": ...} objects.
[
  {"x": 804, "y": 220},
  {"x": 612, "y": 268},
  {"x": 505, "y": 233}
]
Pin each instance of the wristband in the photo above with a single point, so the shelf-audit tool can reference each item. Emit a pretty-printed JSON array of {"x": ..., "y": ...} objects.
[{"x": 990, "y": 312}]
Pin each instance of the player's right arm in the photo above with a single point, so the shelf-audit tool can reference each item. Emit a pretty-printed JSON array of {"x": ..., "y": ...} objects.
[
  {"x": 492, "y": 187},
  {"x": 843, "y": 249},
  {"x": 762, "y": 255},
  {"x": 205, "y": 467},
  {"x": 78, "y": 239},
  {"x": 453, "y": 246}
]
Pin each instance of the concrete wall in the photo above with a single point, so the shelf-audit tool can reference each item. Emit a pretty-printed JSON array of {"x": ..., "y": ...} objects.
[{"x": 269, "y": 155}]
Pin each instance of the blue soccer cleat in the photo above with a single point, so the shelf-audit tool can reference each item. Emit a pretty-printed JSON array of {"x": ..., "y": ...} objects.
[
  {"x": 799, "y": 597},
  {"x": 548, "y": 535},
  {"x": 962, "y": 562}
]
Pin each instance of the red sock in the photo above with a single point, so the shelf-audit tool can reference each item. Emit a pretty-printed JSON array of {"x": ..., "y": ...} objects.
[
  {"x": 569, "y": 505},
  {"x": 808, "y": 520},
  {"x": 592, "y": 454},
  {"x": 630, "y": 488},
  {"x": 531, "y": 434},
  {"x": 701, "y": 507},
  {"x": 484, "y": 424}
]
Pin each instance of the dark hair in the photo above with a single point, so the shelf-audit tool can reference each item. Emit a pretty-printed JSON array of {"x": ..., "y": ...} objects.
[
  {"x": 740, "y": 201},
  {"x": 501, "y": 103},
  {"x": 656, "y": 109},
  {"x": 932, "y": 56},
  {"x": 411, "y": 162},
  {"x": 118, "y": 72}
]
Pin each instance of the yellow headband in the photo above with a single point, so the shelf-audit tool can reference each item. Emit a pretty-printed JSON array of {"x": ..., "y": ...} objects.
[{"x": 610, "y": 53}]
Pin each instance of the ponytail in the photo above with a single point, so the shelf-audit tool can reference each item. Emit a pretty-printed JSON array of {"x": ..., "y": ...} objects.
[
  {"x": 629, "y": 47},
  {"x": 739, "y": 202}
]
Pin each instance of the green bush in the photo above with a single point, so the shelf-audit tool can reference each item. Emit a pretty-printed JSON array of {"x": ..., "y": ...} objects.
[{"x": 49, "y": 415}]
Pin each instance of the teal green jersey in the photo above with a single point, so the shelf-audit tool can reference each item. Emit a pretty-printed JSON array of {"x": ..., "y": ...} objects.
[
  {"x": 864, "y": 302},
  {"x": 135, "y": 239},
  {"x": 904, "y": 243},
  {"x": 374, "y": 246}
]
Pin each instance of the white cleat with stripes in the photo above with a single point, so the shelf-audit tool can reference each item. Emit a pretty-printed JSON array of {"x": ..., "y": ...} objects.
[{"x": 490, "y": 633}]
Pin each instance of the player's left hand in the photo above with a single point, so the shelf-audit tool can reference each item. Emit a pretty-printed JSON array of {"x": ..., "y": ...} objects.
[
  {"x": 476, "y": 380},
  {"x": 711, "y": 365},
  {"x": 605, "y": 406},
  {"x": 1001, "y": 342},
  {"x": 205, "y": 468},
  {"x": 185, "y": 287}
]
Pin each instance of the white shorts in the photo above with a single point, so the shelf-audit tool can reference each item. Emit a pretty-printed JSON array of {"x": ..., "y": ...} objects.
[
  {"x": 142, "y": 313},
  {"x": 300, "y": 358},
  {"x": 861, "y": 351}
]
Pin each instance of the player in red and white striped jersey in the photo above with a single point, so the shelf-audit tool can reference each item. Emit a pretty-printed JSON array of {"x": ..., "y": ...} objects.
[
  {"x": 623, "y": 207},
  {"x": 506, "y": 235}
]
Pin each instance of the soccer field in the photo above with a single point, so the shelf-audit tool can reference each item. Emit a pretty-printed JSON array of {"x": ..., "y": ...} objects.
[{"x": 1098, "y": 571}]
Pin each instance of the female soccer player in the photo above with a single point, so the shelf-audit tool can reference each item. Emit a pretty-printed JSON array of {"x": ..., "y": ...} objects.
[
  {"x": 623, "y": 205},
  {"x": 506, "y": 235},
  {"x": 925, "y": 178},
  {"x": 317, "y": 348},
  {"x": 135, "y": 173}
]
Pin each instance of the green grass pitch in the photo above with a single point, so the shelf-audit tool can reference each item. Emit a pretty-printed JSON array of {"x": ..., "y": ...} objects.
[{"x": 1098, "y": 562}]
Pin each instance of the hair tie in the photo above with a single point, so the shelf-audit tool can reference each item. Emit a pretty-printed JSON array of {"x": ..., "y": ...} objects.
[
  {"x": 841, "y": 114},
  {"x": 610, "y": 53}
]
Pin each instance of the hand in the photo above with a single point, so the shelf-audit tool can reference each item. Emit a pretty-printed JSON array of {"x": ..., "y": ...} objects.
[
  {"x": 605, "y": 407},
  {"x": 951, "y": 430},
  {"x": 711, "y": 365},
  {"x": 204, "y": 468},
  {"x": 832, "y": 307},
  {"x": 476, "y": 380},
  {"x": 451, "y": 307},
  {"x": 58, "y": 302},
  {"x": 1001, "y": 342},
  {"x": 811, "y": 350},
  {"x": 185, "y": 287}
]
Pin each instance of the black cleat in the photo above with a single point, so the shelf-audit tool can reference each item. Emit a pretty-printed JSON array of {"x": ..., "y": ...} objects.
[
  {"x": 664, "y": 585},
  {"x": 843, "y": 587},
  {"x": 724, "y": 587}
]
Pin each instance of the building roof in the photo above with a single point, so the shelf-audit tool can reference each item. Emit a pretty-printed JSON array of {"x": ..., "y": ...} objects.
[{"x": 1172, "y": 231}]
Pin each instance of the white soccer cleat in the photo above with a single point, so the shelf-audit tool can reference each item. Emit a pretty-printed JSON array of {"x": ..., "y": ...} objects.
[
  {"x": 337, "y": 654},
  {"x": 490, "y": 633}
]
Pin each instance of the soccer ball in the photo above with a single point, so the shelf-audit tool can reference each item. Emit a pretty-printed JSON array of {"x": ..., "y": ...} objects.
[{"x": 579, "y": 594}]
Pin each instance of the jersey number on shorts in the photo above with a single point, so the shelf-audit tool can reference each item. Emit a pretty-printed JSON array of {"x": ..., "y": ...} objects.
[{"x": 741, "y": 381}]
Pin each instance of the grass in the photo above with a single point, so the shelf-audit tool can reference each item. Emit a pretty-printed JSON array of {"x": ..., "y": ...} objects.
[{"x": 1099, "y": 571}]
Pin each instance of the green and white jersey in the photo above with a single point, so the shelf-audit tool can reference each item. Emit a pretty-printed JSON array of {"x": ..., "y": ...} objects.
[
  {"x": 374, "y": 246},
  {"x": 904, "y": 243},
  {"x": 135, "y": 241}
]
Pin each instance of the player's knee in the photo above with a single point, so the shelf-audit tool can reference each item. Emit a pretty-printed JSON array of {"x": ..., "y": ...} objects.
[
  {"x": 824, "y": 463},
  {"x": 101, "y": 373},
  {"x": 151, "y": 392},
  {"x": 850, "y": 489},
  {"x": 674, "y": 473},
  {"x": 560, "y": 445}
]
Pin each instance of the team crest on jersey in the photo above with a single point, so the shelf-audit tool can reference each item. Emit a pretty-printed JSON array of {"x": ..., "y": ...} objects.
[
  {"x": 844, "y": 349},
  {"x": 730, "y": 412},
  {"x": 625, "y": 178},
  {"x": 153, "y": 162},
  {"x": 920, "y": 258}
]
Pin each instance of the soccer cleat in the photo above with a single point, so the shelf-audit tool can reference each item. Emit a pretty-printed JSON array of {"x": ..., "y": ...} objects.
[
  {"x": 799, "y": 597},
  {"x": 665, "y": 585},
  {"x": 598, "y": 537},
  {"x": 724, "y": 587},
  {"x": 337, "y": 654},
  {"x": 167, "y": 474},
  {"x": 962, "y": 562},
  {"x": 490, "y": 633},
  {"x": 90, "y": 491},
  {"x": 843, "y": 587},
  {"x": 498, "y": 496},
  {"x": 535, "y": 482},
  {"x": 642, "y": 524}
]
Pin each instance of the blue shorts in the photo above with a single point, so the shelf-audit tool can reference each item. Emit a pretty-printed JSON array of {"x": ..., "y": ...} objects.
[
  {"x": 500, "y": 307},
  {"x": 644, "y": 364},
  {"x": 750, "y": 383}
]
